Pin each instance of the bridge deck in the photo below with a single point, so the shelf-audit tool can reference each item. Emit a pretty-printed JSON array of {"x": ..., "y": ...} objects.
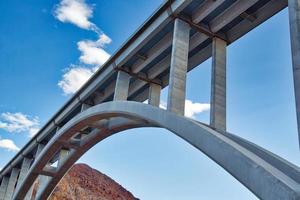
[{"x": 147, "y": 54}]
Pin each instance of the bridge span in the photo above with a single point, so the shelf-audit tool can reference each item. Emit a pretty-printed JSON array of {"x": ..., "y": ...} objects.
[{"x": 178, "y": 37}]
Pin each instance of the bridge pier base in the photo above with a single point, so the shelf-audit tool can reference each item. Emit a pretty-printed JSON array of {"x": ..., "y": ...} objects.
[
  {"x": 178, "y": 69},
  {"x": 218, "y": 85},
  {"x": 3, "y": 187},
  {"x": 294, "y": 19}
]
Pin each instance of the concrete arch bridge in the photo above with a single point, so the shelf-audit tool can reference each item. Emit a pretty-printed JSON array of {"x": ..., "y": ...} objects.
[{"x": 178, "y": 37}]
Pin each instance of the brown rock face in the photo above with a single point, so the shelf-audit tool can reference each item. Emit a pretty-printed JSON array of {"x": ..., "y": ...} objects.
[{"x": 83, "y": 182}]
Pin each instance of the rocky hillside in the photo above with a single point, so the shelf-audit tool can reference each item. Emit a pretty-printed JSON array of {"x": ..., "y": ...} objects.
[{"x": 83, "y": 182}]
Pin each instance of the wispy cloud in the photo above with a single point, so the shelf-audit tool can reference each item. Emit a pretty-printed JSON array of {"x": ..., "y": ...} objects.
[
  {"x": 191, "y": 108},
  {"x": 76, "y": 12},
  {"x": 8, "y": 145},
  {"x": 92, "y": 52},
  {"x": 93, "y": 55},
  {"x": 74, "y": 78},
  {"x": 19, "y": 122}
]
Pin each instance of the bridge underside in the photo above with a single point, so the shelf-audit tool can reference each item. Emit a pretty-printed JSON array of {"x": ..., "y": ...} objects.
[{"x": 179, "y": 36}]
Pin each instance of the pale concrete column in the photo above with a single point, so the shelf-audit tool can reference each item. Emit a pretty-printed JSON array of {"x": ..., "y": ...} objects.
[
  {"x": 122, "y": 86},
  {"x": 62, "y": 157},
  {"x": 154, "y": 94},
  {"x": 24, "y": 170},
  {"x": 12, "y": 184},
  {"x": 39, "y": 149},
  {"x": 3, "y": 187},
  {"x": 178, "y": 69},
  {"x": 30, "y": 191},
  {"x": 42, "y": 179},
  {"x": 218, "y": 85},
  {"x": 84, "y": 106},
  {"x": 294, "y": 18}
]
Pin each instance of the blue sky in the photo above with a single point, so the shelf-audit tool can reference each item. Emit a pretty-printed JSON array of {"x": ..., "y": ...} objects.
[{"x": 48, "y": 48}]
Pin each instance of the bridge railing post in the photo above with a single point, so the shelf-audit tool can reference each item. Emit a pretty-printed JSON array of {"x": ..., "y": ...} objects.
[
  {"x": 178, "y": 69},
  {"x": 122, "y": 86},
  {"x": 154, "y": 94},
  {"x": 3, "y": 187},
  {"x": 11, "y": 184},
  {"x": 294, "y": 20},
  {"x": 218, "y": 85}
]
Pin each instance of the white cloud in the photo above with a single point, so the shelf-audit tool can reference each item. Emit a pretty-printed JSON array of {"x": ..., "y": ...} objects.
[
  {"x": 191, "y": 109},
  {"x": 76, "y": 12},
  {"x": 18, "y": 122},
  {"x": 74, "y": 78},
  {"x": 92, "y": 52},
  {"x": 8, "y": 145}
]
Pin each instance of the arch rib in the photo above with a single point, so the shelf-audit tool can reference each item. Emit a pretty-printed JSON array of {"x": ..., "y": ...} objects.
[{"x": 264, "y": 179}]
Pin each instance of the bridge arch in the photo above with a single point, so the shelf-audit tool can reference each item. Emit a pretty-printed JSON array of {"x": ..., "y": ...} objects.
[{"x": 265, "y": 174}]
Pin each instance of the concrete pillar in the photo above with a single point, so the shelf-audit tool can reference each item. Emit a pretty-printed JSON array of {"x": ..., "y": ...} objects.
[
  {"x": 294, "y": 18},
  {"x": 63, "y": 155},
  {"x": 24, "y": 170},
  {"x": 122, "y": 86},
  {"x": 154, "y": 94},
  {"x": 178, "y": 69},
  {"x": 39, "y": 149},
  {"x": 12, "y": 184},
  {"x": 3, "y": 187},
  {"x": 84, "y": 106},
  {"x": 218, "y": 85},
  {"x": 30, "y": 191},
  {"x": 42, "y": 179}
]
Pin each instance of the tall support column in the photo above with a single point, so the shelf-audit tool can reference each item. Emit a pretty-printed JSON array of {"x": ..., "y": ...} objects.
[
  {"x": 154, "y": 94},
  {"x": 11, "y": 184},
  {"x": 24, "y": 170},
  {"x": 63, "y": 155},
  {"x": 294, "y": 18},
  {"x": 218, "y": 85},
  {"x": 122, "y": 86},
  {"x": 29, "y": 194},
  {"x": 178, "y": 70},
  {"x": 42, "y": 179},
  {"x": 84, "y": 107},
  {"x": 3, "y": 187}
]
